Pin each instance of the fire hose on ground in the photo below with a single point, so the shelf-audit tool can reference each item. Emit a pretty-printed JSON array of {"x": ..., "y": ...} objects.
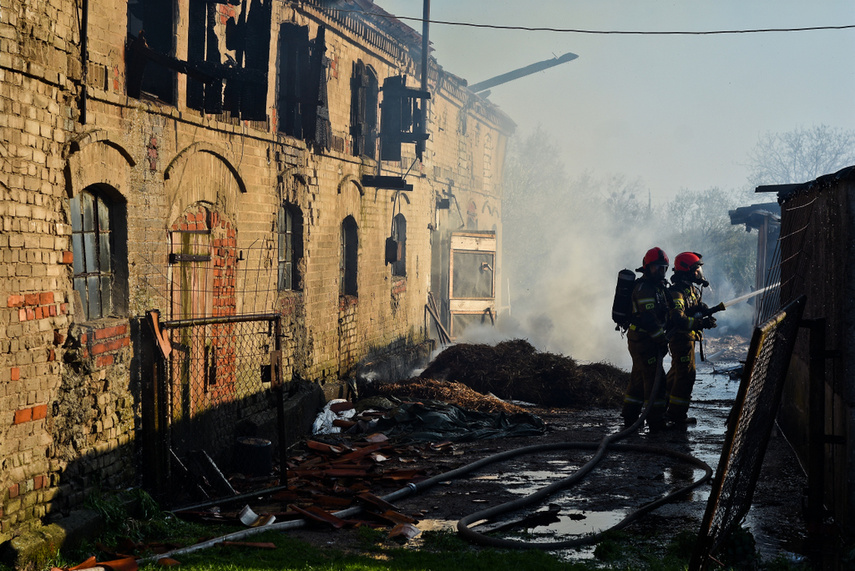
[
  {"x": 463, "y": 525},
  {"x": 609, "y": 442}
]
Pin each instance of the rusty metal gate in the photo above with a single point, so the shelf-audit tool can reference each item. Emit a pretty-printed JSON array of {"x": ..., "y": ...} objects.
[
  {"x": 217, "y": 381},
  {"x": 749, "y": 427}
]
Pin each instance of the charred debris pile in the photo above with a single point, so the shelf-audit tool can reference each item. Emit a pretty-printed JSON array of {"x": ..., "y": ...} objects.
[
  {"x": 513, "y": 371},
  {"x": 397, "y": 433},
  {"x": 471, "y": 392}
]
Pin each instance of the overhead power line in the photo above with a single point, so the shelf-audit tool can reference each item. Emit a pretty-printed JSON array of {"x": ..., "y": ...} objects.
[
  {"x": 626, "y": 32},
  {"x": 598, "y": 32}
]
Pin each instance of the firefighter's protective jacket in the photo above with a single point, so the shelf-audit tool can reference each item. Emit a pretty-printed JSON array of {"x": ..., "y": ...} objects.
[
  {"x": 650, "y": 307},
  {"x": 687, "y": 303}
]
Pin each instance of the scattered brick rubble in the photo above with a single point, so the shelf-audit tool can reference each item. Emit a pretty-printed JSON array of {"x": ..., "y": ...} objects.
[
  {"x": 332, "y": 472},
  {"x": 328, "y": 476}
]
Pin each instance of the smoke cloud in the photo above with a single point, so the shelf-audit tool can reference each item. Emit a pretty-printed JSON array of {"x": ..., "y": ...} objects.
[{"x": 563, "y": 243}]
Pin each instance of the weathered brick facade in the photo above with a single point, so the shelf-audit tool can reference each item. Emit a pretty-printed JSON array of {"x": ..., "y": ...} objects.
[{"x": 130, "y": 183}]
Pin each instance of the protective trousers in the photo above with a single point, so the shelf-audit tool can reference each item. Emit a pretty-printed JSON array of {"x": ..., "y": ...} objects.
[
  {"x": 646, "y": 360},
  {"x": 681, "y": 377}
]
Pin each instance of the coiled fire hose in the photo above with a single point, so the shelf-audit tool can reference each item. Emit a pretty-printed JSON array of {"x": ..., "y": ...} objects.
[{"x": 608, "y": 443}]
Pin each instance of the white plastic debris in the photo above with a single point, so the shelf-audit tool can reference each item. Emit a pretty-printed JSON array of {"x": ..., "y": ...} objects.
[{"x": 324, "y": 422}]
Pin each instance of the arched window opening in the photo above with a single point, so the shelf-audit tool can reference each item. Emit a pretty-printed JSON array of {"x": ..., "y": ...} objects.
[
  {"x": 399, "y": 235},
  {"x": 290, "y": 230},
  {"x": 363, "y": 110},
  {"x": 99, "y": 247},
  {"x": 349, "y": 256}
]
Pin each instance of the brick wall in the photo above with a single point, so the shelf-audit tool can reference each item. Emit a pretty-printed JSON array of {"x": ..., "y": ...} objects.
[
  {"x": 36, "y": 117},
  {"x": 68, "y": 385}
]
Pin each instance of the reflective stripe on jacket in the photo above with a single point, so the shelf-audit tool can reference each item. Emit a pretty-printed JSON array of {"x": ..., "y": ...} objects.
[
  {"x": 687, "y": 303},
  {"x": 649, "y": 309}
]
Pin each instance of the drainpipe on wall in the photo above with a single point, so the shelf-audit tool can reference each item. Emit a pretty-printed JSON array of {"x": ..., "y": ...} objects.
[
  {"x": 420, "y": 145},
  {"x": 84, "y": 54}
]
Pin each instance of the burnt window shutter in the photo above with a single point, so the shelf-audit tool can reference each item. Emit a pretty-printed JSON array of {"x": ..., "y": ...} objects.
[
  {"x": 196, "y": 29},
  {"x": 364, "y": 94},
  {"x": 257, "y": 46},
  {"x": 357, "y": 99},
  {"x": 316, "y": 117},
  {"x": 372, "y": 94},
  {"x": 293, "y": 65}
]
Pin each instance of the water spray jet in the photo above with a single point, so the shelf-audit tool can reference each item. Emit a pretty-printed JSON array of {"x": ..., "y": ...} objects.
[
  {"x": 725, "y": 304},
  {"x": 749, "y": 295}
]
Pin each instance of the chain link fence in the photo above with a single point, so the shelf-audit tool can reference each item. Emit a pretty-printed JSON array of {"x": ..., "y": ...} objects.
[
  {"x": 220, "y": 383},
  {"x": 749, "y": 428},
  {"x": 215, "y": 359}
]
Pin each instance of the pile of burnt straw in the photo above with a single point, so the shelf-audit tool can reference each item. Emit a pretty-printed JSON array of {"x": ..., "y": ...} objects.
[
  {"x": 450, "y": 392},
  {"x": 513, "y": 371}
]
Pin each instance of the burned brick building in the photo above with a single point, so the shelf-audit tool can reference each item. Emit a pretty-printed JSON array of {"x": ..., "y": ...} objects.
[{"x": 200, "y": 203}]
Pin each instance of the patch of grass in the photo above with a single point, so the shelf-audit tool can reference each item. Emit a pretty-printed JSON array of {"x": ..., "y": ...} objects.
[
  {"x": 443, "y": 540},
  {"x": 739, "y": 550},
  {"x": 683, "y": 544},
  {"x": 369, "y": 539},
  {"x": 608, "y": 550},
  {"x": 134, "y": 517},
  {"x": 623, "y": 550},
  {"x": 445, "y": 552},
  {"x": 441, "y": 550}
]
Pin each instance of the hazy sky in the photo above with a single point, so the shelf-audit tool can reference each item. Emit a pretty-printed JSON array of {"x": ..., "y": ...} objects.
[{"x": 675, "y": 111}]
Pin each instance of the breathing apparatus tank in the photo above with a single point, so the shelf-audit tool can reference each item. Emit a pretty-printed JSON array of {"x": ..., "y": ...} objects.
[{"x": 622, "y": 304}]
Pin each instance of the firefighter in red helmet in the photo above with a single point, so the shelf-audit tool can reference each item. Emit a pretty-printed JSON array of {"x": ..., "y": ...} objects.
[
  {"x": 647, "y": 342},
  {"x": 687, "y": 321}
]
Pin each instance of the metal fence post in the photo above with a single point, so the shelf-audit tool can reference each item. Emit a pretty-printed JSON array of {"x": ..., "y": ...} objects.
[
  {"x": 281, "y": 395},
  {"x": 816, "y": 424},
  {"x": 154, "y": 405}
]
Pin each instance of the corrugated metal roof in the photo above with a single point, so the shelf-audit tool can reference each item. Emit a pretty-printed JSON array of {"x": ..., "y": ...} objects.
[{"x": 788, "y": 191}]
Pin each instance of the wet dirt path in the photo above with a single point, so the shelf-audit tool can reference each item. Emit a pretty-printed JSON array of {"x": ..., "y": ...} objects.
[{"x": 623, "y": 481}]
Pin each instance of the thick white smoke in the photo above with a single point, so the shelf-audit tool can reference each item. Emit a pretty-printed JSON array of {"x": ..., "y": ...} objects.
[{"x": 564, "y": 242}]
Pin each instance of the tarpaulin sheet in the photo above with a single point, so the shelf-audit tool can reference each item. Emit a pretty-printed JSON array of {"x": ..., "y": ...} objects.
[{"x": 434, "y": 421}]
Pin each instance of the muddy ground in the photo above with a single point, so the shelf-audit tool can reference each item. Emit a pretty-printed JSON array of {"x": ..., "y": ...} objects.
[{"x": 621, "y": 483}]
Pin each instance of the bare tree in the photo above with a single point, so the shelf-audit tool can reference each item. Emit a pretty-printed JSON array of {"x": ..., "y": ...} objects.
[
  {"x": 699, "y": 222},
  {"x": 800, "y": 155}
]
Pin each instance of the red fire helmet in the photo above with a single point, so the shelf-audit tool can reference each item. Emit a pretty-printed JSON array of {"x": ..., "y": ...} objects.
[
  {"x": 687, "y": 262},
  {"x": 655, "y": 257}
]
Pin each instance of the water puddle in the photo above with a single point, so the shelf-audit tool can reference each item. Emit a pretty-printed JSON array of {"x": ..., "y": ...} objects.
[{"x": 624, "y": 481}]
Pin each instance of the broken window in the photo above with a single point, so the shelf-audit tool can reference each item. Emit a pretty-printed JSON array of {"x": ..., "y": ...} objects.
[
  {"x": 349, "y": 256},
  {"x": 203, "y": 46},
  {"x": 245, "y": 92},
  {"x": 151, "y": 28},
  {"x": 472, "y": 275},
  {"x": 290, "y": 229},
  {"x": 363, "y": 110},
  {"x": 227, "y": 56},
  {"x": 302, "y": 98},
  {"x": 399, "y": 235},
  {"x": 99, "y": 247}
]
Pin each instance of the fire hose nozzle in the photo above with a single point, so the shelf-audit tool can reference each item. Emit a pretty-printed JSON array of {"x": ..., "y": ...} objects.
[{"x": 708, "y": 311}]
